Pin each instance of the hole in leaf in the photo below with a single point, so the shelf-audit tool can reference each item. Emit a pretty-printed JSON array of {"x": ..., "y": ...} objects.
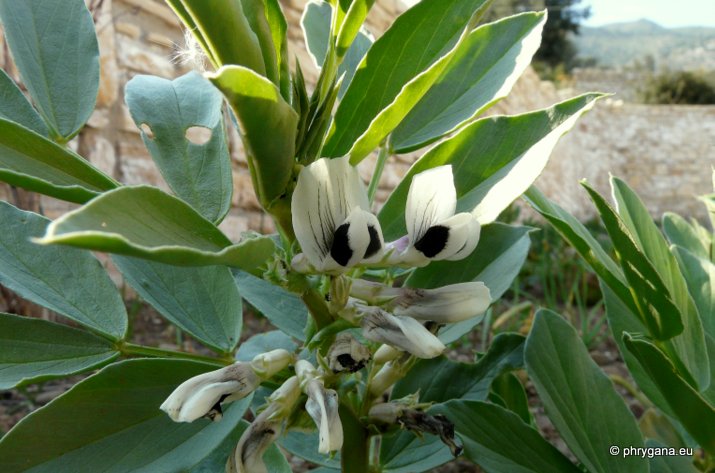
[
  {"x": 198, "y": 135},
  {"x": 147, "y": 130}
]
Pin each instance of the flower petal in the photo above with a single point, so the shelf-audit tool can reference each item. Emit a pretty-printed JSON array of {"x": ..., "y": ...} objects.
[
  {"x": 453, "y": 237},
  {"x": 473, "y": 233},
  {"x": 447, "y": 304},
  {"x": 352, "y": 240},
  {"x": 404, "y": 333},
  {"x": 431, "y": 199},
  {"x": 195, "y": 397},
  {"x": 322, "y": 406},
  {"x": 326, "y": 193}
]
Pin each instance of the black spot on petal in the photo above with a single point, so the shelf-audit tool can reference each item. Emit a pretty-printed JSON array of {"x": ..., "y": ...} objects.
[
  {"x": 434, "y": 240},
  {"x": 340, "y": 249},
  {"x": 374, "y": 245}
]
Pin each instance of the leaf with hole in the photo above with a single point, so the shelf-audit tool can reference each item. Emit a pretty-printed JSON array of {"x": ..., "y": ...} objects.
[{"x": 198, "y": 169}]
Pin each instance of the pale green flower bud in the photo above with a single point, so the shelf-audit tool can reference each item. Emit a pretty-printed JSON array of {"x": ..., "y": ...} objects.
[{"x": 268, "y": 364}]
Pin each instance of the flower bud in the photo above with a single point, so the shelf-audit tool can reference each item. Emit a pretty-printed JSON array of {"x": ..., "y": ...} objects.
[
  {"x": 267, "y": 364},
  {"x": 385, "y": 354},
  {"x": 202, "y": 395}
]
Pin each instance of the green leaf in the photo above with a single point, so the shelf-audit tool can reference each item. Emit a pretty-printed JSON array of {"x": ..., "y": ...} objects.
[
  {"x": 259, "y": 107},
  {"x": 579, "y": 398},
  {"x": 681, "y": 233},
  {"x": 699, "y": 274},
  {"x": 657, "y": 426},
  {"x": 15, "y": 107},
  {"x": 574, "y": 232},
  {"x": 68, "y": 281},
  {"x": 483, "y": 70},
  {"x": 385, "y": 89},
  {"x": 494, "y": 160},
  {"x": 351, "y": 27},
  {"x": 111, "y": 422},
  {"x": 316, "y": 22},
  {"x": 304, "y": 445},
  {"x": 283, "y": 309},
  {"x": 216, "y": 460},
  {"x": 652, "y": 299},
  {"x": 202, "y": 301},
  {"x": 199, "y": 173},
  {"x": 226, "y": 37},
  {"x": 265, "y": 342},
  {"x": 35, "y": 350},
  {"x": 621, "y": 319},
  {"x": 33, "y": 162},
  {"x": 405, "y": 452},
  {"x": 669, "y": 463},
  {"x": 498, "y": 440},
  {"x": 147, "y": 223},
  {"x": 55, "y": 49},
  {"x": 511, "y": 395},
  {"x": 694, "y": 412},
  {"x": 441, "y": 380},
  {"x": 651, "y": 242},
  {"x": 279, "y": 32}
]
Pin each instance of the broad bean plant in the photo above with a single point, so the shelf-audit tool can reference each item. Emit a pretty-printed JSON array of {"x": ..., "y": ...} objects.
[{"x": 365, "y": 303}]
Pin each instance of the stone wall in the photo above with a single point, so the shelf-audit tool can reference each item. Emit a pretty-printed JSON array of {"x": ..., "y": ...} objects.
[{"x": 664, "y": 151}]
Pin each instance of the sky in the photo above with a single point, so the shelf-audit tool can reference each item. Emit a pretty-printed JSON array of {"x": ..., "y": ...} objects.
[{"x": 667, "y": 13}]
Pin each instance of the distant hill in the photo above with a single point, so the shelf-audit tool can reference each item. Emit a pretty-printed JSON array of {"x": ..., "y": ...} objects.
[{"x": 621, "y": 44}]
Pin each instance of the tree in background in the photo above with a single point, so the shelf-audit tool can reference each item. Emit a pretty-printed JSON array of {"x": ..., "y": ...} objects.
[
  {"x": 679, "y": 88},
  {"x": 557, "y": 52}
]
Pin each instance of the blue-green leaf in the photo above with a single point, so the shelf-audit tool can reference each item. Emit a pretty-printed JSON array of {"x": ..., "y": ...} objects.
[
  {"x": 55, "y": 49},
  {"x": 15, "y": 107},
  {"x": 199, "y": 173},
  {"x": 68, "y": 281},
  {"x": 35, "y": 350}
]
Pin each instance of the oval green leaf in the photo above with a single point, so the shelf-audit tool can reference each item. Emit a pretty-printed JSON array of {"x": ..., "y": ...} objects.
[
  {"x": 111, "y": 422},
  {"x": 498, "y": 440},
  {"x": 483, "y": 70},
  {"x": 147, "y": 223},
  {"x": 68, "y": 281},
  {"x": 55, "y": 49},
  {"x": 284, "y": 310},
  {"x": 198, "y": 172},
  {"x": 699, "y": 274},
  {"x": 693, "y": 412},
  {"x": 35, "y": 350},
  {"x": 259, "y": 106},
  {"x": 33, "y": 162},
  {"x": 15, "y": 107},
  {"x": 494, "y": 160},
  {"x": 384, "y": 89},
  {"x": 203, "y": 301},
  {"x": 579, "y": 398}
]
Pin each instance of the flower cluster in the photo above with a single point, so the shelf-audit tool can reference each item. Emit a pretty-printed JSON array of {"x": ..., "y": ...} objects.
[{"x": 337, "y": 232}]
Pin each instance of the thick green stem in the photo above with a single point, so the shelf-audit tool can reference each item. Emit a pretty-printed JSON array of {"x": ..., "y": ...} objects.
[
  {"x": 355, "y": 455},
  {"x": 377, "y": 174},
  {"x": 131, "y": 349},
  {"x": 318, "y": 308}
]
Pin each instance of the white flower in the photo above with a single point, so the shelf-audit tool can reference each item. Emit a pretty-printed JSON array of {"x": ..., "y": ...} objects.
[
  {"x": 446, "y": 304},
  {"x": 433, "y": 229},
  {"x": 401, "y": 332},
  {"x": 202, "y": 395},
  {"x": 331, "y": 217},
  {"x": 322, "y": 406},
  {"x": 264, "y": 430}
]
